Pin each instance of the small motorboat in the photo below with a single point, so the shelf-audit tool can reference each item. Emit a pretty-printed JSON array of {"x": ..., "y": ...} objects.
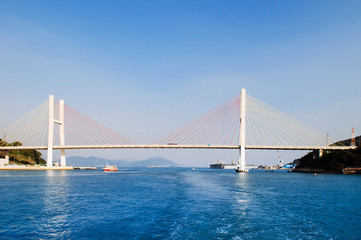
[{"x": 110, "y": 168}]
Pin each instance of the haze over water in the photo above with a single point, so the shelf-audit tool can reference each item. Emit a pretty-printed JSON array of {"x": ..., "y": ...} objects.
[{"x": 178, "y": 203}]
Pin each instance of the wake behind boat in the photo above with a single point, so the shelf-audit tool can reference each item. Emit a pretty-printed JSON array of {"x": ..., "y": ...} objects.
[{"x": 110, "y": 168}]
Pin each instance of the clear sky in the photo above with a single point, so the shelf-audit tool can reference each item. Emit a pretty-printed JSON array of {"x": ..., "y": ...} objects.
[{"x": 143, "y": 68}]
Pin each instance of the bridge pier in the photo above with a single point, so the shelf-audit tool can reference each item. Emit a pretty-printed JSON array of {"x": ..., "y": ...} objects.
[
  {"x": 317, "y": 153},
  {"x": 241, "y": 166},
  {"x": 7, "y": 158},
  {"x": 61, "y": 135},
  {"x": 320, "y": 153},
  {"x": 5, "y": 161},
  {"x": 49, "y": 158}
]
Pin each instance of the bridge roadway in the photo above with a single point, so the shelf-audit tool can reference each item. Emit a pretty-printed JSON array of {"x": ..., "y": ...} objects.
[{"x": 162, "y": 146}]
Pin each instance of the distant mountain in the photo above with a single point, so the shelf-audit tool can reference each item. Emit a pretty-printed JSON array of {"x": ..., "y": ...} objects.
[
  {"x": 78, "y": 161},
  {"x": 156, "y": 162}
]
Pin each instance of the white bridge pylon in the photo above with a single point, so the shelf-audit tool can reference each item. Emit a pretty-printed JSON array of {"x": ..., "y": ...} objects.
[
  {"x": 60, "y": 122},
  {"x": 241, "y": 165},
  {"x": 243, "y": 122}
]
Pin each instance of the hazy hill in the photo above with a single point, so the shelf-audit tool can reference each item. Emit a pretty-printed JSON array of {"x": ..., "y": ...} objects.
[
  {"x": 155, "y": 161},
  {"x": 78, "y": 161}
]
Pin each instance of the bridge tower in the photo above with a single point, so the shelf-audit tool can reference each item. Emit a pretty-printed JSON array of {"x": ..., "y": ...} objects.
[
  {"x": 60, "y": 122},
  {"x": 353, "y": 141},
  {"x": 241, "y": 165}
]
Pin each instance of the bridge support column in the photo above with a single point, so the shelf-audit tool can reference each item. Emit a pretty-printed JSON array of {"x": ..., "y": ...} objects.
[
  {"x": 7, "y": 157},
  {"x": 62, "y": 158},
  {"x": 61, "y": 135},
  {"x": 241, "y": 166},
  {"x": 49, "y": 159},
  {"x": 320, "y": 153},
  {"x": 317, "y": 153}
]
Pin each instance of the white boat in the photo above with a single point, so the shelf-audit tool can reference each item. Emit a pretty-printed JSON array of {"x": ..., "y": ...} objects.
[{"x": 110, "y": 168}]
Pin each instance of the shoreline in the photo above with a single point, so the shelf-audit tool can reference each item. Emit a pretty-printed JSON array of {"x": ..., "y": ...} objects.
[{"x": 344, "y": 171}]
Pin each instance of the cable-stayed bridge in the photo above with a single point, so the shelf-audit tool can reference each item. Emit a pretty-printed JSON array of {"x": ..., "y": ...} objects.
[{"x": 243, "y": 122}]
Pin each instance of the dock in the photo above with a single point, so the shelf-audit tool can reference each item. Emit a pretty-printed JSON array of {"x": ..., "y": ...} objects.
[{"x": 32, "y": 167}]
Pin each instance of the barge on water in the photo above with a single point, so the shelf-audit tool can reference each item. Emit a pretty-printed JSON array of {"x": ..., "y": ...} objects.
[{"x": 222, "y": 165}]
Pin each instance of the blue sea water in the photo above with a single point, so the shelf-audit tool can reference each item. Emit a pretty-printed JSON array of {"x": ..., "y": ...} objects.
[{"x": 178, "y": 203}]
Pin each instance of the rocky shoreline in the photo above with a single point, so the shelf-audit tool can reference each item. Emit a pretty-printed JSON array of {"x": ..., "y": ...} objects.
[{"x": 344, "y": 171}]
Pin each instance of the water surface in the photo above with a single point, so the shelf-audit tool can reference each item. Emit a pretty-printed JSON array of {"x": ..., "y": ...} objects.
[{"x": 178, "y": 203}]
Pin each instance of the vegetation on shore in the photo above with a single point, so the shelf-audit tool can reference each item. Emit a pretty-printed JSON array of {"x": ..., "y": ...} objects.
[
  {"x": 330, "y": 162},
  {"x": 22, "y": 156}
]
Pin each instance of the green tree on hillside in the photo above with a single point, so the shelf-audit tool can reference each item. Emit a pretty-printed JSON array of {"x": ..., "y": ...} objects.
[{"x": 27, "y": 156}]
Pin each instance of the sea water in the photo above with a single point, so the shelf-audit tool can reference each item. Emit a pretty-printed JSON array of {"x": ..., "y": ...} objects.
[{"x": 178, "y": 203}]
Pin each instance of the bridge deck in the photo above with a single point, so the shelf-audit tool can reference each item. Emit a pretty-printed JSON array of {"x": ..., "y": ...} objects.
[{"x": 157, "y": 146}]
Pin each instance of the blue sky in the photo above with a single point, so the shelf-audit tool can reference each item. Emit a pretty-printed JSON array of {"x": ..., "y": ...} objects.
[{"x": 145, "y": 67}]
